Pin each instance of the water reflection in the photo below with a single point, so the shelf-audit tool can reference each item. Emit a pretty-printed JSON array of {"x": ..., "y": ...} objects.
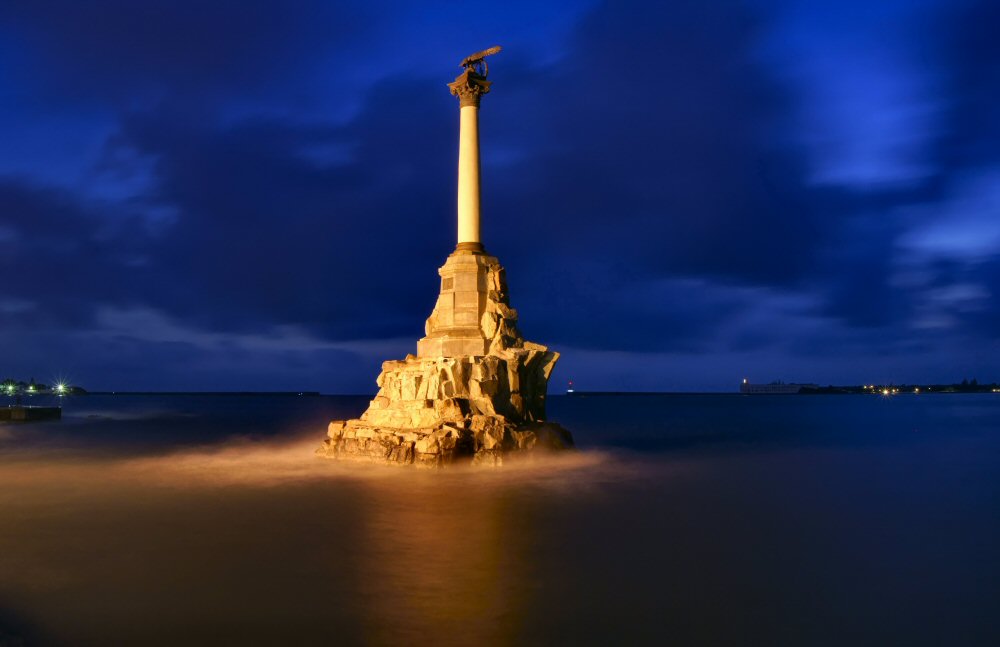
[
  {"x": 259, "y": 543},
  {"x": 440, "y": 564}
]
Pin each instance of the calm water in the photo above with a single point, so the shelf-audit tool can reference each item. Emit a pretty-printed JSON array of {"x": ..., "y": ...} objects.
[{"x": 795, "y": 520}]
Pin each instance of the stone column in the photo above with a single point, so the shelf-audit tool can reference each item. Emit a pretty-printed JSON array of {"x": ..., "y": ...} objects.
[
  {"x": 454, "y": 329},
  {"x": 469, "y": 87}
]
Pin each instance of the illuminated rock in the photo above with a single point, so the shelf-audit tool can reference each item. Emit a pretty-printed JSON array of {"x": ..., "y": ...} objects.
[
  {"x": 444, "y": 404},
  {"x": 476, "y": 389}
]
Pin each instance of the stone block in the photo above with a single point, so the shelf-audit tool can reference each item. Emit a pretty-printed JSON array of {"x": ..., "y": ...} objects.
[
  {"x": 422, "y": 418},
  {"x": 451, "y": 408},
  {"x": 514, "y": 377},
  {"x": 427, "y": 460},
  {"x": 402, "y": 453},
  {"x": 335, "y": 429},
  {"x": 489, "y": 323},
  {"x": 427, "y": 445},
  {"x": 488, "y": 458},
  {"x": 421, "y": 393}
]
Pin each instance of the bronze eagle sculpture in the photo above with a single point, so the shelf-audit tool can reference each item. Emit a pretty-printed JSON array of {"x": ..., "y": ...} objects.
[{"x": 477, "y": 62}]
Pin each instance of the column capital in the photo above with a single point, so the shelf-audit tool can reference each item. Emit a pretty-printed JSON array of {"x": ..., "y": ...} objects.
[{"x": 469, "y": 87}]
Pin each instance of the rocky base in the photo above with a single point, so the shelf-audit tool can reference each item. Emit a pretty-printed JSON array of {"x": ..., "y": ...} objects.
[
  {"x": 474, "y": 392},
  {"x": 478, "y": 440}
]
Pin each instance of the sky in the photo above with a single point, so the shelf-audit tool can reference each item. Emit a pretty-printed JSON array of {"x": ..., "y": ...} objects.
[{"x": 234, "y": 195}]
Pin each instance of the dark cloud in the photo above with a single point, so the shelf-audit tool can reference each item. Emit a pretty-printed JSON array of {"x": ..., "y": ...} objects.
[
  {"x": 281, "y": 235},
  {"x": 664, "y": 157},
  {"x": 647, "y": 191},
  {"x": 972, "y": 78},
  {"x": 61, "y": 259},
  {"x": 698, "y": 176},
  {"x": 117, "y": 49},
  {"x": 659, "y": 148}
]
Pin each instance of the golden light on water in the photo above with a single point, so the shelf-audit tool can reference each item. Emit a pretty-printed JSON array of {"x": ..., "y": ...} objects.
[{"x": 268, "y": 539}]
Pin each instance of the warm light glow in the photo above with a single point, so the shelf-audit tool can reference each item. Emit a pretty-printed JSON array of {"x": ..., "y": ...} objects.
[{"x": 885, "y": 391}]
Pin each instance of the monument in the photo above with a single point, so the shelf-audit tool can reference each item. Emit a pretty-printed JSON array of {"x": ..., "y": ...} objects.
[{"x": 476, "y": 389}]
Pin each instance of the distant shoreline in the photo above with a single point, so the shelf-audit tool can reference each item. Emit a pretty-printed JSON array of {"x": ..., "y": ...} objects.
[
  {"x": 912, "y": 389},
  {"x": 237, "y": 393},
  {"x": 896, "y": 389},
  {"x": 825, "y": 390}
]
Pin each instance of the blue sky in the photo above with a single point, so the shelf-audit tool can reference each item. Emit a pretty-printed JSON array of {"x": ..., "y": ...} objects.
[{"x": 233, "y": 195}]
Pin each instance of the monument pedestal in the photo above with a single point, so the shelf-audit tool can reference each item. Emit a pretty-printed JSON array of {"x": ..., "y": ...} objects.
[
  {"x": 453, "y": 329},
  {"x": 475, "y": 390}
]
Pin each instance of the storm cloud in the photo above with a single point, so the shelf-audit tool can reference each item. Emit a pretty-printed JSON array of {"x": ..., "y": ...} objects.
[{"x": 268, "y": 189}]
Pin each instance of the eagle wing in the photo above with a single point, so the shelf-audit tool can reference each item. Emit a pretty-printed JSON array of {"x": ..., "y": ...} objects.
[{"x": 478, "y": 56}]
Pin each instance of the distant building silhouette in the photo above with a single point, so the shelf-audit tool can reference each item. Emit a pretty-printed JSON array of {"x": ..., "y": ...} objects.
[{"x": 774, "y": 388}]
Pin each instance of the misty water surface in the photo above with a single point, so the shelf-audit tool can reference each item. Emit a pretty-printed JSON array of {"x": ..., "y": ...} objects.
[{"x": 684, "y": 519}]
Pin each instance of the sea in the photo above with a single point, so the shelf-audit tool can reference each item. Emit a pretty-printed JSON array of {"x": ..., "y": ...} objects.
[{"x": 681, "y": 519}]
